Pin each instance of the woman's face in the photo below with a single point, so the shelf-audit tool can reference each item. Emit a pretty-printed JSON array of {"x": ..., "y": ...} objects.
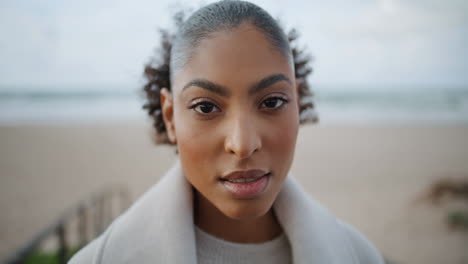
[{"x": 234, "y": 115}]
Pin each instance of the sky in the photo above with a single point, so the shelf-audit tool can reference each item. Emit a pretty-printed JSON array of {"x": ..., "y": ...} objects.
[{"x": 104, "y": 44}]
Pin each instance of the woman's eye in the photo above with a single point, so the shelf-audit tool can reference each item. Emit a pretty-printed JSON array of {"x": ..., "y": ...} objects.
[
  {"x": 273, "y": 103},
  {"x": 205, "y": 108}
]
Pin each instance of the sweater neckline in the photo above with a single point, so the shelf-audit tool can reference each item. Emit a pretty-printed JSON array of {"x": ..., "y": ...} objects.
[{"x": 269, "y": 246}]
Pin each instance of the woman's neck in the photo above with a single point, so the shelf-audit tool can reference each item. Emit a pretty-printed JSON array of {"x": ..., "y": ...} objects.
[{"x": 211, "y": 220}]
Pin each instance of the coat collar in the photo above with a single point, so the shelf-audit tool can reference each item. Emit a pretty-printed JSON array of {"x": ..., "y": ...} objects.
[{"x": 159, "y": 226}]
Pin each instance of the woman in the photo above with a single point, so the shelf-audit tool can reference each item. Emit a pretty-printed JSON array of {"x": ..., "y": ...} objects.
[{"x": 231, "y": 100}]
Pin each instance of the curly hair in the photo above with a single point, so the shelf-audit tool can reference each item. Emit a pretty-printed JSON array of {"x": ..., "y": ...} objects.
[{"x": 157, "y": 72}]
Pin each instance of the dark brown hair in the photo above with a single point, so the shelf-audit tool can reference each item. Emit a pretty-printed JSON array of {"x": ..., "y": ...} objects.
[{"x": 223, "y": 15}]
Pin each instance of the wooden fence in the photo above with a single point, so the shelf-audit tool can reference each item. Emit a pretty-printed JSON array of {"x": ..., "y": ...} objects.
[{"x": 92, "y": 215}]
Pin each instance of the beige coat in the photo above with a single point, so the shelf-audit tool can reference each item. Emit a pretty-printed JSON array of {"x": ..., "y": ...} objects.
[{"x": 159, "y": 228}]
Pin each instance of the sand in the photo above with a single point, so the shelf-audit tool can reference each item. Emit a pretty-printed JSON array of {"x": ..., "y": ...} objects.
[{"x": 369, "y": 175}]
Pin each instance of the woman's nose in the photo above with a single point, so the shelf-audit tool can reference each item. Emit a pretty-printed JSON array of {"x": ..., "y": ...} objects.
[{"x": 243, "y": 139}]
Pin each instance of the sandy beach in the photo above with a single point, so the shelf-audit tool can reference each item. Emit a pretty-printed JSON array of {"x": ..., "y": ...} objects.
[{"x": 369, "y": 175}]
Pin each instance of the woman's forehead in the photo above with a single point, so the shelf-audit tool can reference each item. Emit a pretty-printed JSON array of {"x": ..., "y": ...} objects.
[{"x": 234, "y": 58}]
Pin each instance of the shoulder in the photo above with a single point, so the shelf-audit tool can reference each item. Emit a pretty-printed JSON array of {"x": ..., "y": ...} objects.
[
  {"x": 92, "y": 252},
  {"x": 317, "y": 234},
  {"x": 153, "y": 222},
  {"x": 363, "y": 250},
  {"x": 88, "y": 254}
]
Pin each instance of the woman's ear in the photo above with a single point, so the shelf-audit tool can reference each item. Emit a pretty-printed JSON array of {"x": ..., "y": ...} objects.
[{"x": 167, "y": 108}]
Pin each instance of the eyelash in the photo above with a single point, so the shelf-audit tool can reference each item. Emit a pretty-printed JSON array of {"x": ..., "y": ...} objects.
[
  {"x": 206, "y": 103},
  {"x": 203, "y": 103},
  {"x": 282, "y": 100}
]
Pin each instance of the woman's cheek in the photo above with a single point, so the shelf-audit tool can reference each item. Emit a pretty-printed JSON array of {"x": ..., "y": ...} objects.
[
  {"x": 282, "y": 139},
  {"x": 195, "y": 143},
  {"x": 286, "y": 128}
]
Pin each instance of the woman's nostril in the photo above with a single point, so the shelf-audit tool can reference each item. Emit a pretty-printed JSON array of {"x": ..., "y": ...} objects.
[
  {"x": 243, "y": 141},
  {"x": 243, "y": 151}
]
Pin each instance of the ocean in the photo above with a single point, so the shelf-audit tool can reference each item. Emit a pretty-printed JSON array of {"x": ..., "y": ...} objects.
[{"x": 333, "y": 105}]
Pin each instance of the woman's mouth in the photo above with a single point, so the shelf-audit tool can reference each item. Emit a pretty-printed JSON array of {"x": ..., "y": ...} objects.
[{"x": 246, "y": 184}]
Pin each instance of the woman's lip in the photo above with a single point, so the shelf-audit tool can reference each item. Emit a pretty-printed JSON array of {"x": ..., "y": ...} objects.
[
  {"x": 244, "y": 174},
  {"x": 247, "y": 189}
]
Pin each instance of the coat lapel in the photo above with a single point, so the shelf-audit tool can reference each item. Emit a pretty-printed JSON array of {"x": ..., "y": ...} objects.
[
  {"x": 313, "y": 232},
  {"x": 159, "y": 226}
]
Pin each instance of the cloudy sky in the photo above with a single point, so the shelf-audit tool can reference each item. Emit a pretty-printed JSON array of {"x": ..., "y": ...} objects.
[{"x": 64, "y": 43}]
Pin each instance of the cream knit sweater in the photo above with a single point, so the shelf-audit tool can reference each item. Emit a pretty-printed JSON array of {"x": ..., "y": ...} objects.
[{"x": 213, "y": 250}]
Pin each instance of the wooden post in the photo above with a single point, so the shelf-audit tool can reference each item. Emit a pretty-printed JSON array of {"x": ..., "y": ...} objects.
[
  {"x": 83, "y": 225},
  {"x": 96, "y": 216},
  {"x": 63, "y": 247}
]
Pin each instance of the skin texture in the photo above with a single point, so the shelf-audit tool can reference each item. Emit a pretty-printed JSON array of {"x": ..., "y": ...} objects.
[{"x": 242, "y": 129}]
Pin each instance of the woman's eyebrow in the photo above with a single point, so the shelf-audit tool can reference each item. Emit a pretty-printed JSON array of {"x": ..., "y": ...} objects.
[
  {"x": 223, "y": 91},
  {"x": 208, "y": 85},
  {"x": 268, "y": 81}
]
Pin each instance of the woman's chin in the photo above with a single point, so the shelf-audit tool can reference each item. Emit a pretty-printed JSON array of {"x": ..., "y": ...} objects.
[{"x": 243, "y": 210}]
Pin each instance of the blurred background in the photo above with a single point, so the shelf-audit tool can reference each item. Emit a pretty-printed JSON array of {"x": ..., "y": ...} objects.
[{"x": 391, "y": 89}]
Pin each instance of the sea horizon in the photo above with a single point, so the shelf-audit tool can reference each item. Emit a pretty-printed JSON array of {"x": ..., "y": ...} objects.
[{"x": 334, "y": 104}]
